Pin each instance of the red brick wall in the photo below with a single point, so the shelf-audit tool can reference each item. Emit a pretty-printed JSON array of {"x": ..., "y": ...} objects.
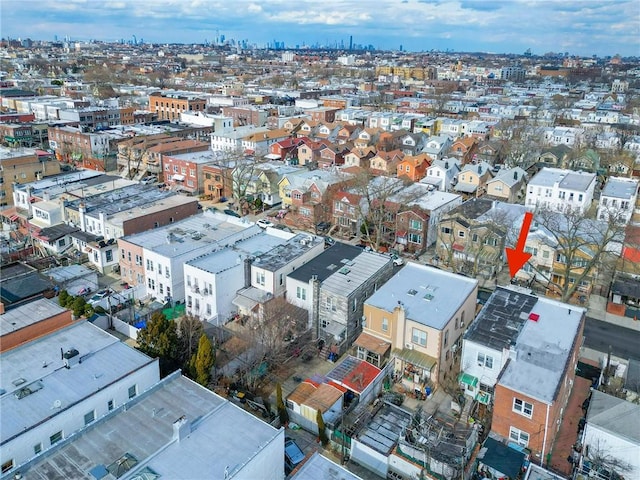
[
  {"x": 35, "y": 330},
  {"x": 147, "y": 222}
]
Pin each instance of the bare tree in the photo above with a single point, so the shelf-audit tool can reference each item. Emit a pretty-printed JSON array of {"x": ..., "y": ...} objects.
[
  {"x": 584, "y": 248},
  {"x": 604, "y": 463},
  {"x": 189, "y": 330}
]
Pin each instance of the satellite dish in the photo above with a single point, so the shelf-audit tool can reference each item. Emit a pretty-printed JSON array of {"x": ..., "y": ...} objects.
[{"x": 57, "y": 404}]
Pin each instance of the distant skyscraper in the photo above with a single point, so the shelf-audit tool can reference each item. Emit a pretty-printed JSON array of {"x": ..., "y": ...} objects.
[{"x": 350, "y": 42}]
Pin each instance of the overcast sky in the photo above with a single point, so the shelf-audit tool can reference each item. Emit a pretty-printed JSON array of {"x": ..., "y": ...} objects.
[{"x": 580, "y": 27}]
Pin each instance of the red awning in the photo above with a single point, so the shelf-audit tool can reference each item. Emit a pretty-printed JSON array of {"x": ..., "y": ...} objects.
[
  {"x": 458, "y": 248},
  {"x": 401, "y": 233},
  {"x": 13, "y": 218}
]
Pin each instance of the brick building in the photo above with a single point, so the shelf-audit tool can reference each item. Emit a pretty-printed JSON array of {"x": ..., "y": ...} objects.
[{"x": 169, "y": 106}]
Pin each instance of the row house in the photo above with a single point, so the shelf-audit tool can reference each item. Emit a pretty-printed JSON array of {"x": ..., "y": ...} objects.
[
  {"x": 20, "y": 167},
  {"x": 231, "y": 140},
  {"x": 472, "y": 237},
  {"x": 97, "y": 151},
  {"x": 322, "y": 114},
  {"x": 472, "y": 179},
  {"x": 412, "y": 143},
  {"x": 508, "y": 185},
  {"x": 333, "y": 155},
  {"x": 618, "y": 200},
  {"x": 389, "y": 141},
  {"x": 563, "y": 136},
  {"x": 464, "y": 149},
  {"x": 217, "y": 181},
  {"x": 491, "y": 151},
  {"x": 309, "y": 151},
  {"x": 333, "y": 288},
  {"x": 157, "y": 157},
  {"x": 559, "y": 190},
  {"x": 169, "y": 105},
  {"x": 246, "y": 115},
  {"x": 415, "y": 321},
  {"x": 520, "y": 355},
  {"x": 557, "y": 156},
  {"x": 264, "y": 182},
  {"x": 258, "y": 143},
  {"x": 359, "y": 157},
  {"x": 414, "y": 167},
  {"x": 18, "y": 134},
  {"x": 306, "y": 196},
  {"x": 184, "y": 172},
  {"x": 348, "y": 133},
  {"x": 368, "y": 138},
  {"x": 437, "y": 146},
  {"x": 285, "y": 150},
  {"x": 386, "y": 162},
  {"x": 442, "y": 174},
  {"x": 213, "y": 280}
]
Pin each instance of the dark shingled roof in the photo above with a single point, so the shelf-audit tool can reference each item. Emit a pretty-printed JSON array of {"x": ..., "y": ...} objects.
[{"x": 322, "y": 264}]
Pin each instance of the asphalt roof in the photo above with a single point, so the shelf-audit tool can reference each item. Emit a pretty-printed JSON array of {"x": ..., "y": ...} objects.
[
  {"x": 319, "y": 266},
  {"x": 502, "y": 458}
]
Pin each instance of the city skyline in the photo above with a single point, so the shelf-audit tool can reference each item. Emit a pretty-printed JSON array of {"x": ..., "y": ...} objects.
[{"x": 580, "y": 28}]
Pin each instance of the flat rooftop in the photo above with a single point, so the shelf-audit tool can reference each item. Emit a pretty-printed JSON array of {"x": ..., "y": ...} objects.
[
  {"x": 620, "y": 188},
  {"x": 567, "y": 179},
  {"x": 349, "y": 275},
  {"x": 33, "y": 377},
  {"x": 324, "y": 264},
  {"x": 222, "y": 437},
  {"x": 28, "y": 314},
  {"x": 430, "y": 296},
  {"x": 279, "y": 256},
  {"x": 543, "y": 348},
  {"x": 58, "y": 184},
  {"x": 500, "y": 321},
  {"x": 319, "y": 467},
  {"x": 123, "y": 199}
]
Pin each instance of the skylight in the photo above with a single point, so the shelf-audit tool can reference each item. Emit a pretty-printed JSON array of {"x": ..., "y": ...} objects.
[{"x": 412, "y": 292}]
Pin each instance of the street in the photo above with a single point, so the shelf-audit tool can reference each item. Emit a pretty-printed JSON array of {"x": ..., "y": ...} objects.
[{"x": 625, "y": 343}]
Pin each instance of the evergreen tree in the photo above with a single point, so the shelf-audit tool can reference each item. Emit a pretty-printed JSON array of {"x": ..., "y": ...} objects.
[
  {"x": 159, "y": 339},
  {"x": 204, "y": 360},
  {"x": 322, "y": 433},
  {"x": 78, "y": 305},
  {"x": 63, "y": 298},
  {"x": 282, "y": 410}
]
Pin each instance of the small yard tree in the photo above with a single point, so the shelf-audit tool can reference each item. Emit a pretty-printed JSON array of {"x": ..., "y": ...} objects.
[
  {"x": 159, "y": 339},
  {"x": 203, "y": 361}
]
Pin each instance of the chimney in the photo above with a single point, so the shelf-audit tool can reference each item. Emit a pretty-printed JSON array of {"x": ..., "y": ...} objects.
[
  {"x": 247, "y": 272},
  {"x": 446, "y": 165},
  {"x": 314, "y": 283},
  {"x": 181, "y": 428},
  {"x": 71, "y": 357},
  {"x": 479, "y": 168},
  {"x": 513, "y": 353},
  {"x": 1, "y": 308},
  {"x": 515, "y": 175}
]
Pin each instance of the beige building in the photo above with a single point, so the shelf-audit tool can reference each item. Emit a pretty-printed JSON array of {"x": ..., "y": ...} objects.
[
  {"x": 416, "y": 321},
  {"x": 23, "y": 165}
]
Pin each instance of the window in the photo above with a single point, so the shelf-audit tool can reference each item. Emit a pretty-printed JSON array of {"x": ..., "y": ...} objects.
[
  {"x": 446, "y": 338},
  {"x": 6, "y": 466},
  {"x": 109, "y": 255},
  {"x": 301, "y": 293},
  {"x": 260, "y": 278},
  {"x": 545, "y": 254},
  {"x": 419, "y": 337},
  {"x": 415, "y": 238},
  {"x": 461, "y": 233},
  {"x": 55, "y": 438},
  {"x": 37, "y": 448},
  {"x": 518, "y": 436},
  {"x": 415, "y": 224},
  {"x": 485, "y": 360},
  {"x": 446, "y": 230},
  {"x": 133, "y": 391},
  {"x": 305, "y": 212},
  {"x": 474, "y": 238},
  {"x": 330, "y": 304},
  {"x": 89, "y": 417},
  {"x": 385, "y": 325},
  {"x": 281, "y": 279},
  {"x": 150, "y": 265},
  {"x": 354, "y": 306},
  {"x": 522, "y": 407},
  {"x": 110, "y": 405}
]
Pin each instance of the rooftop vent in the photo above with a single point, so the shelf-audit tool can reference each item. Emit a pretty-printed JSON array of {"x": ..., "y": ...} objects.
[
  {"x": 344, "y": 270},
  {"x": 428, "y": 297},
  {"x": 412, "y": 292}
]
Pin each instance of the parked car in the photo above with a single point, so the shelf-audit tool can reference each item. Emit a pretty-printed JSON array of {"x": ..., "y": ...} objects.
[
  {"x": 323, "y": 226},
  {"x": 264, "y": 223},
  {"x": 97, "y": 297},
  {"x": 148, "y": 180},
  {"x": 397, "y": 261},
  {"x": 328, "y": 241},
  {"x": 293, "y": 455},
  {"x": 232, "y": 213}
]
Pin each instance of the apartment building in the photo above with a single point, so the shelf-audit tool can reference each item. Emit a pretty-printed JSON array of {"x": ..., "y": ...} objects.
[
  {"x": 557, "y": 189},
  {"x": 520, "y": 355},
  {"x": 417, "y": 323},
  {"x": 21, "y": 166},
  {"x": 169, "y": 105},
  {"x": 618, "y": 200}
]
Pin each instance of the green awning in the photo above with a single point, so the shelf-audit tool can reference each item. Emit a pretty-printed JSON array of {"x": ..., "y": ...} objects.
[
  {"x": 468, "y": 379},
  {"x": 414, "y": 357},
  {"x": 483, "y": 397}
]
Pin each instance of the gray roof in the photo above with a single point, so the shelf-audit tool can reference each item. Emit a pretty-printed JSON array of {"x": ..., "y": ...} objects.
[
  {"x": 28, "y": 314},
  {"x": 615, "y": 416},
  {"x": 567, "y": 179},
  {"x": 429, "y": 296},
  {"x": 500, "y": 321},
  {"x": 543, "y": 350},
  {"x": 220, "y": 436},
  {"x": 323, "y": 266},
  {"x": 620, "y": 188},
  {"x": 104, "y": 360},
  {"x": 350, "y": 275},
  {"x": 279, "y": 256},
  {"x": 114, "y": 201},
  {"x": 320, "y": 467},
  {"x": 384, "y": 429}
]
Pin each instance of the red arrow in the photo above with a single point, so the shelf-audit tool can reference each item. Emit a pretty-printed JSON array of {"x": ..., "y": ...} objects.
[{"x": 517, "y": 257}]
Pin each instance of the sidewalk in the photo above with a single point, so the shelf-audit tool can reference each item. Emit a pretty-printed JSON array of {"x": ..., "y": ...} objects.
[{"x": 597, "y": 309}]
